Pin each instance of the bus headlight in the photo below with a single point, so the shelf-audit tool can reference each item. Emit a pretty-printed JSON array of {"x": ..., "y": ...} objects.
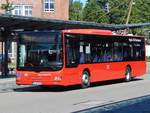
[{"x": 57, "y": 78}]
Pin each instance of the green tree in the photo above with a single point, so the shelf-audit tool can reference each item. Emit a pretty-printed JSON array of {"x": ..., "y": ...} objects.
[
  {"x": 8, "y": 7},
  {"x": 119, "y": 10},
  {"x": 140, "y": 11},
  {"x": 93, "y": 12},
  {"x": 75, "y": 10},
  {"x": 140, "y": 14}
]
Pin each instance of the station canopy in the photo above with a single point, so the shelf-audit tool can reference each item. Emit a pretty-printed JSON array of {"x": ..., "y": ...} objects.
[{"x": 12, "y": 23}]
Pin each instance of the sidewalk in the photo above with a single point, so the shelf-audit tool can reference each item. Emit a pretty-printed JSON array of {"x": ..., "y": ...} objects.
[
  {"x": 7, "y": 84},
  {"x": 7, "y": 80}
]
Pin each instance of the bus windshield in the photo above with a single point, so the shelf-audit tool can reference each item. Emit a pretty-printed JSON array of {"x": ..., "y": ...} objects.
[{"x": 39, "y": 51}]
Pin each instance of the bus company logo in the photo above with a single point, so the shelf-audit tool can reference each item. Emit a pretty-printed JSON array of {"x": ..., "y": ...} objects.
[
  {"x": 44, "y": 74},
  {"x": 134, "y": 40}
]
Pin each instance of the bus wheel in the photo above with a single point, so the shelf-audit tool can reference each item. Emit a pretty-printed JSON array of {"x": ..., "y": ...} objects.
[
  {"x": 128, "y": 74},
  {"x": 85, "y": 81}
]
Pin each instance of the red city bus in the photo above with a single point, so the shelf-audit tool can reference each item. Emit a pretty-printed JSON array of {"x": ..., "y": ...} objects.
[{"x": 78, "y": 56}]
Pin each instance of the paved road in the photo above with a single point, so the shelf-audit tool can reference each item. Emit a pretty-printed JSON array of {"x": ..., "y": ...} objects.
[{"x": 20, "y": 99}]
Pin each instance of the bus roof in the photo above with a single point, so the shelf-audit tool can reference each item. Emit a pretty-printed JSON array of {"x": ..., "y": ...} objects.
[
  {"x": 88, "y": 31},
  {"x": 84, "y": 31},
  {"x": 97, "y": 32}
]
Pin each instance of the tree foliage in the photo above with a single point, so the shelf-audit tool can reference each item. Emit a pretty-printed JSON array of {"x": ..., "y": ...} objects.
[
  {"x": 93, "y": 12},
  {"x": 118, "y": 11},
  {"x": 8, "y": 6},
  {"x": 140, "y": 11},
  {"x": 75, "y": 10}
]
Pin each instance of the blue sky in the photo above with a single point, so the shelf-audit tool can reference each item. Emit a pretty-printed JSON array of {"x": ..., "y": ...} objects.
[{"x": 83, "y": 1}]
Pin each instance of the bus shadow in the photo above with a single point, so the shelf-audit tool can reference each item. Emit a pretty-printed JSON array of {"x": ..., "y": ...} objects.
[
  {"x": 69, "y": 88},
  {"x": 124, "y": 106},
  {"x": 112, "y": 82},
  {"x": 47, "y": 89}
]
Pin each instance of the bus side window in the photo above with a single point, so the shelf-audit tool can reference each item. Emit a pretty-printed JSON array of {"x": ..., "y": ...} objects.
[
  {"x": 85, "y": 52},
  {"x": 96, "y": 51},
  {"x": 88, "y": 53},
  {"x": 117, "y": 52},
  {"x": 82, "y": 55},
  {"x": 107, "y": 56},
  {"x": 127, "y": 52},
  {"x": 138, "y": 51}
]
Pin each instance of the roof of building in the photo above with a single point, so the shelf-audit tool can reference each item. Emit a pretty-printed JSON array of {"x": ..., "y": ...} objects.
[{"x": 11, "y": 22}]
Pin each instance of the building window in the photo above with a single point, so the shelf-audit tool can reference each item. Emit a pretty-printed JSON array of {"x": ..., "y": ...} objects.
[
  {"x": 28, "y": 10},
  {"x": 22, "y": 10},
  {"x": 48, "y": 5},
  {"x": 17, "y": 10}
]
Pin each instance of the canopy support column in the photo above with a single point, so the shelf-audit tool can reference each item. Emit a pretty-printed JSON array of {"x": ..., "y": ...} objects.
[{"x": 5, "y": 35}]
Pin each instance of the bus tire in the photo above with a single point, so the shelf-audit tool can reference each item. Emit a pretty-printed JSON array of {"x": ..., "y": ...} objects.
[
  {"x": 85, "y": 80},
  {"x": 128, "y": 74}
]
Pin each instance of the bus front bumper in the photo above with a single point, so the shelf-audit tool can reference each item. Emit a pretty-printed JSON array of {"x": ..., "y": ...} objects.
[{"x": 38, "y": 79}]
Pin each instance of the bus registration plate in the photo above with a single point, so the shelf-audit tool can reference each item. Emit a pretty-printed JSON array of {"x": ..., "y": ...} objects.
[{"x": 36, "y": 83}]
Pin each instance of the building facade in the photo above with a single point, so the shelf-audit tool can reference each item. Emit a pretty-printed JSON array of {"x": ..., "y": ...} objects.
[{"x": 50, "y": 9}]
